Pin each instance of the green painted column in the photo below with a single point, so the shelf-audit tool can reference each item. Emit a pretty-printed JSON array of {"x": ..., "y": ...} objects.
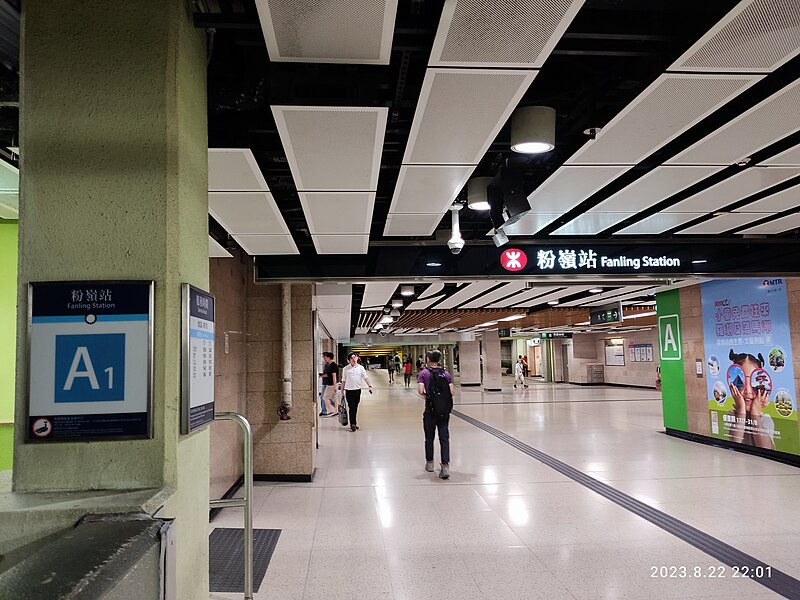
[
  {"x": 114, "y": 186},
  {"x": 673, "y": 383},
  {"x": 8, "y": 311}
]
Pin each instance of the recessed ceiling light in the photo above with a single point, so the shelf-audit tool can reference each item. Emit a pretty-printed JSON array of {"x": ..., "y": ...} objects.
[
  {"x": 407, "y": 290},
  {"x": 512, "y": 318},
  {"x": 434, "y": 264},
  {"x": 582, "y": 323},
  {"x": 553, "y": 302},
  {"x": 595, "y": 290},
  {"x": 487, "y": 324},
  {"x": 698, "y": 262}
]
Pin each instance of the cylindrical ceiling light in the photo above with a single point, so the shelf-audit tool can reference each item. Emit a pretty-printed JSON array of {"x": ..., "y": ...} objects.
[
  {"x": 533, "y": 129},
  {"x": 395, "y": 313},
  {"x": 387, "y": 319},
  {"x": 476, "y": 193},
  {"x": 397, "y": 302},
  {"x": 407, "y": 290}
]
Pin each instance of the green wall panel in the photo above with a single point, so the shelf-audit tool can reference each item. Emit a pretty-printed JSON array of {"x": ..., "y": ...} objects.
[
  {"x": 673, "y": 384},
  {"x": 8, "y": 317}
]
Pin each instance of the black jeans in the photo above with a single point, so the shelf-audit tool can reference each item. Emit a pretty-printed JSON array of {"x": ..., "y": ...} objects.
[
  {"x": 353, "y": 398},
  {"x": 407, "y": 379},
  {"x": 430, "y": 423}
]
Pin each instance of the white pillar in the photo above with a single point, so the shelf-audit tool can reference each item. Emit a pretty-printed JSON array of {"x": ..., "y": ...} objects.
[{"x": 492, "y": 378}]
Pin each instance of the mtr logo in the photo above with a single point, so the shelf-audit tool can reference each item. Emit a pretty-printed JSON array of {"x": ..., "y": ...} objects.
[
  {"x": 513, "y": 260},
  {"x": 769, "y": 282}
]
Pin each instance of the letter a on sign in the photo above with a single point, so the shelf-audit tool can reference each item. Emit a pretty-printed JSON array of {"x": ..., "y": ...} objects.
[
  {"x": 669, "y": 337},
  {"x": 82, "y": 355}
]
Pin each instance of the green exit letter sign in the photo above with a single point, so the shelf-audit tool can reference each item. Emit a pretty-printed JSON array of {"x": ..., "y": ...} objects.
[{"x": 669, "y": 337}]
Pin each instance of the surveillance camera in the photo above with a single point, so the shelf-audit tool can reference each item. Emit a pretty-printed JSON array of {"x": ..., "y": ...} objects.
[
  {"x": 455, "y": 245},
  {"x": 381, "y": 332}
]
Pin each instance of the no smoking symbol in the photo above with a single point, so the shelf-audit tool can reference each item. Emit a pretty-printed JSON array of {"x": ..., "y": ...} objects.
[{"x": 513, "y": 259}]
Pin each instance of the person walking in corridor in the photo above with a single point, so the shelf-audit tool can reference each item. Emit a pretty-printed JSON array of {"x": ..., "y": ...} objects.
[
  {"x": 519, "y": 373},
  {"x": 329, "y": 381},
  {"x": 435, "y": 385},
  {"x": 407, "y": 367},
  {"x": 354, "y": 376}
]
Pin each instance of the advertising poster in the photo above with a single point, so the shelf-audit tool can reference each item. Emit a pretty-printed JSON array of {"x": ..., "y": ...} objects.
[
  {"x": 89, "y": 367},
  {"x": 750, "y": 381}
]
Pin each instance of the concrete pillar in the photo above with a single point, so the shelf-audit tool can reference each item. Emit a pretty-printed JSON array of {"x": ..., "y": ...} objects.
[
  {"x": 114, "y": 186},
  {"x": 469, "y": 359},
  {"x": 492, "y": 379}
]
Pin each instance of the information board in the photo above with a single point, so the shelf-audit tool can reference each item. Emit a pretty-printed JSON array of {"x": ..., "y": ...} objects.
[
  {"x": 89, "y": 360},
  {"x": 198, "y": 359},
  {"x": 615, "y": 355}
]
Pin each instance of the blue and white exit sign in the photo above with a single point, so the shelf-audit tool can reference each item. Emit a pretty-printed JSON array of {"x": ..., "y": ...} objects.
[{"x": 90, "y": 361}]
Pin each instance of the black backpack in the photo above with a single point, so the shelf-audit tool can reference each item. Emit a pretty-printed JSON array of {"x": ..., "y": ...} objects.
[{"x": 439, "y": 398}]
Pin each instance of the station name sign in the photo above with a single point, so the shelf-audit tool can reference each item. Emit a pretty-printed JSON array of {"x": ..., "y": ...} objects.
[{"x": 586, "y": 260}]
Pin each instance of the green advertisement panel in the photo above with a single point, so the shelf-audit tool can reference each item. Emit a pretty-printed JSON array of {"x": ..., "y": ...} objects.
[
  {"x": 752, "y": 397},
  {"x": 673, "y": 388}
]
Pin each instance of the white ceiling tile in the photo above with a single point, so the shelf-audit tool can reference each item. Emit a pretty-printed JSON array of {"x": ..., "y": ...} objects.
[
  {"x": 650, "y": 189},
  {"x": 591, "y": 223},
  {"x": 264, "y": 245},
  {"x": 466, "y": 293},
  {"x": 9, "y": 177},
  {"x": 722, "y": 223},
  {"x": 215, "y": 249},
  {"x": 790, "y": 157},
  {"x": 338, "y": 213},
  {"x": 426, "y": 189},
  {"x": 486, "y": 299},
  {"x": 569, "y": 186},
  {"x": 432, "y": 290},
  {"x": 738, "y": 187},
  {"x": 460, "y": 112},
  {"x": 523, "y": 296},
  {"x": 668, "y": 107},
  {"x": 332, "y": 148},
  {"x": 353, "y": 32},
  {"x": 777, "y": 226},
  {"x": 247, "y": 212},
  {"x": 499, "y": 33},
  {"x": 234, "y": 169},
  {"x": 414, "y": 225},
  {"x": 9, "y": 205},
  {"x": 659, "y": 223},
  {"x": 756, "y": 36},
  {"x": 753, "y": 130},
  {"x": 609, "y": 296},
  {"x": 529, "y": 224},
  {"x": 341, "y": 244},
  {"x": 377, "y": 294},
  {"x": 785, "y": 200},
  {"x": 556, "y": 295},
  {"x": 423, "y": 304}
]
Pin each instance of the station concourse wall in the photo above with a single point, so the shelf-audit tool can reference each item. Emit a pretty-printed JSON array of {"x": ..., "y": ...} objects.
[
  {"x": 588, "y": 349},
  {"x": 8, "y": 343}
]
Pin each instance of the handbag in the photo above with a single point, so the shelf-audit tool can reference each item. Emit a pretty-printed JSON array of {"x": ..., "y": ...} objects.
[{"x": 343, "y": 412}]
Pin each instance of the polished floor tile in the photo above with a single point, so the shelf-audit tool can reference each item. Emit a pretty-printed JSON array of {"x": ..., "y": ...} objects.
[{"x": 375, "y": 524}]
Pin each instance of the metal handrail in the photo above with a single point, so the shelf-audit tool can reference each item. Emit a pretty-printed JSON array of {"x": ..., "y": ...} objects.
[{"x": 246, "y": 501}]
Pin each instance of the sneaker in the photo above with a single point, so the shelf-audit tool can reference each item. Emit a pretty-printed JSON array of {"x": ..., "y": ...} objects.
[
  {"x": 353, "y": 427},
  {"x": 445, "y": 472},
  {"x": 323, "y": 414},
  {"x": 429, "y": 466},
  {"x": 515, "y": 386},
  {"x": 526, "y": 387}
]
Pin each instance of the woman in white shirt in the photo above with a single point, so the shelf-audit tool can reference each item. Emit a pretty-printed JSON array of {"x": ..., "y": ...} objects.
[
  {"x": 519, "y": 373},
  {"x": 354, "y": 376}
]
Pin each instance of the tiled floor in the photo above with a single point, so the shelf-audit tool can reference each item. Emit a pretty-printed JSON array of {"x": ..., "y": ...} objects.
[{"x": 375, "y": 524}]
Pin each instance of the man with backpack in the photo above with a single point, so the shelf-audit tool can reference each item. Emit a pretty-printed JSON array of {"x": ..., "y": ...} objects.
[{"x": 436, "y": 386}]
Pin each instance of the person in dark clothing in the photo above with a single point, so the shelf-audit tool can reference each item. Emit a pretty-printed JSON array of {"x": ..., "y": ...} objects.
[
  {"x": 407, "y": 372},
  {"x": 431, "y": 419},
  {"x": 330, "y": 376}
]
